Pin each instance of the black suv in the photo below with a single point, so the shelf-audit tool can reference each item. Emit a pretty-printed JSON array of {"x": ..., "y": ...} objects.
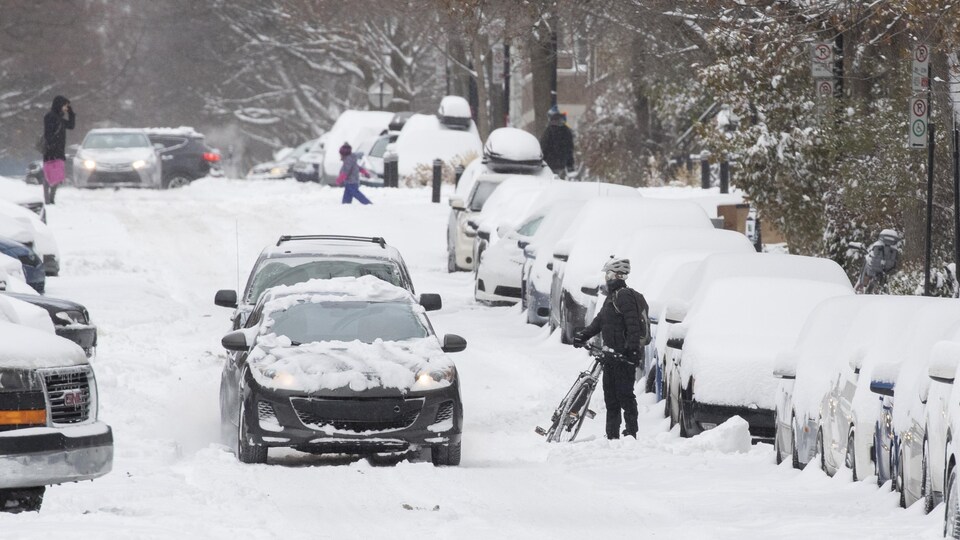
[{"x": 184, "y": 157}]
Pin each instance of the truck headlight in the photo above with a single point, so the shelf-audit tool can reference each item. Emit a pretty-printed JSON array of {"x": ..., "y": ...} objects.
[
  {"x": 139, "y": 164},
  {"x": 18, "y": 380}
]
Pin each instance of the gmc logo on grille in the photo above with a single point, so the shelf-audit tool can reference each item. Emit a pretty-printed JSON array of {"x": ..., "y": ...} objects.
[{"x": 72, "y": 398}]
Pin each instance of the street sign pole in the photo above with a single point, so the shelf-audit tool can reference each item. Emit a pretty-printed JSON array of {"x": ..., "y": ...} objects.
[{"x": 927, "y": 289}]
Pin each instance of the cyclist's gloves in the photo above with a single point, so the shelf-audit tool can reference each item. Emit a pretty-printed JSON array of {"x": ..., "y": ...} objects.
[
  {"x": 579, "y": 340},
  {"x": 631, "y": 352}
]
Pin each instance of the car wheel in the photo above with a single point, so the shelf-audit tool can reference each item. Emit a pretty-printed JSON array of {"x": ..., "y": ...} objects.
[
  {"x": 650, "y": 386},
  {"x": 451, "y": 261},
  {"x": 19, "y": 500},
  {"x": 446, "y": 455},
  {"x": 668, "y": 408},
  {"x": 851, "y": 456},
  {"x": 776, "y": 442},
  {"x": 794, "y": 454},
  {"x": 951, "y": 518},
  {"x": 176, "y": 181},
  {"x": 246, "y": 452},
  {"x": 687, "y": 429},
  {"x": 821, "y": 450},
  {"x": 926, "y": 486},
  {"x": 900, "y": 482}
]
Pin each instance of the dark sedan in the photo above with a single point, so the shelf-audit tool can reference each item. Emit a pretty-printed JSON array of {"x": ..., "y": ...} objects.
[
  {"x": 33, "y": 267},
  {"x": 70, "y": 319}
]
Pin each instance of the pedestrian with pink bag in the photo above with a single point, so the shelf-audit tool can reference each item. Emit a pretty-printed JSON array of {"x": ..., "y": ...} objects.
[{"x": 56, "y": 122}]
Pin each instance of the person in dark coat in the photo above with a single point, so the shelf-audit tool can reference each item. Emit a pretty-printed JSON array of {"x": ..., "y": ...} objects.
[
  {"x": 350, "y": 173},
  {"x": 56, "y": 122},
  {"x": 620, "y": 323},
  {"x": 556, "y": 143}
]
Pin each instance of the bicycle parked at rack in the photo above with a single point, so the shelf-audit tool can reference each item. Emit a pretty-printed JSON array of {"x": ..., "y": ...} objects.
[
  {"x": 574, "y": 408},
  {"x": 880, "y": 261}
]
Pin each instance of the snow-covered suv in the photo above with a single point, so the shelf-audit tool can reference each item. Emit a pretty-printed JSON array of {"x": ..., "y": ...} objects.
[
  {"x": 49, "y": 431},
  {"x": 344, "y": 365},
  {"x": 296, "y": 259}
]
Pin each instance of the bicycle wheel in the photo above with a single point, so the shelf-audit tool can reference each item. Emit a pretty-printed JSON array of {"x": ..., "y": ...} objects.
[{"x": 568, "y": 425}]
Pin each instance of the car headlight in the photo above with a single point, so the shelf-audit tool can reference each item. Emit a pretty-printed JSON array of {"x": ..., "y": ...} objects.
[
  {"x": 89, "y": 164},
  {"x": 139, "y": 164},
  {"x": 280, "y": 378},
  {"x": 18, "y": 380},
  {"x": 428, "y": 379},
  {"x": 71, "y": 317},
  {"x": 278, "y": 170}
]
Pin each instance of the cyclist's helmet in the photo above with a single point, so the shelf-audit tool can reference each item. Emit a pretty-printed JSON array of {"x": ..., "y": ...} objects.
[
  {"x": 890, "y": 237},
  {"x": 616, "y": 268}
]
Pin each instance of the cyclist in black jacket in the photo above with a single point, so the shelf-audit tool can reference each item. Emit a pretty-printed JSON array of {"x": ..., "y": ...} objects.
[{"x": 620, "y": 324}]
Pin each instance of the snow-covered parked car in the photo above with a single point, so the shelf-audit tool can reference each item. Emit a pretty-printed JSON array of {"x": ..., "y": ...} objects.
[
  {"x": 911, "y": 434},
  {"x": 27, "y": 196},
  {"x": 722, "y": 353},
  {"x": 31, "y": 265},
  {"x": 282, "y": 165},
  {"x": 298, "y": 258},
  {"x": 536, "y": 273},
  {"x": 655, "y": 254},
  {"x": 593, "y": 238},
  {"x": 115, "y": 157},
  {"x": 461, "y": 228},
  {"x": 425, "y": 138},
  {"x": 374, "y": 151},
  {"x": 49, "y": 430},
  {"x": 344, "y": 365},
  {"x": 24, "y": 226},
  {"x": 521, "y": 202},
  {"x": 308, "y": 167},
  {"x": 70, "y": 320}
]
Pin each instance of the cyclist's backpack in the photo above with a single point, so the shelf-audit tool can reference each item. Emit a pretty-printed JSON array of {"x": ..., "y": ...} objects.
[
  {"x": 642, "y": 307},
  {"x": 883, "y": 257}
]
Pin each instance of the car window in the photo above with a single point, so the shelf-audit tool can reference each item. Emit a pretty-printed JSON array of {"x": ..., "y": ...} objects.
[
  {"x": 169, "y": 142},
  {"x": 116, "y": 140},
  {"x": 309, "y": 322},
  {"x": 530, "y": 227},
  {"x": 380, "y": 147},
  {"x": 293, "y": 270},
  {"x": 481, "y": 192}
]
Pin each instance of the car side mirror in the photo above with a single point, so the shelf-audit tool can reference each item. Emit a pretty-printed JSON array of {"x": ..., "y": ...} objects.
[
  {"x": 676, "y": 311},
  {"x": 882, "y": 387},
  {"x": 159, "y": 146},
  {"x": 785, "y": 366},
  {"x": 457, "y": 203},
  {"x": 943, "y": 365},
  {"x": 431, "y": 302},
  {"x": 453, "y": 343},
  {"x": 226, "y": 298},
  {"x": 235, "y": 341},
  {"x": 856, "y": 361},
  {"x": 590, "y": 291},
  {"x": 73, "y": 148},
  {"x": 522, "y": 244},
  {"x": 550, "y": 265}
]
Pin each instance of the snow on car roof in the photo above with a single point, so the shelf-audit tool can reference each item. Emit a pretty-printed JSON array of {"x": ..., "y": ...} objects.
[
  {"x": 183, "y": 131},
  {"x": 513, "y": 144},
  {"x": 29, "y": 348},
  {"x": 117, "y": 130},
  {"x": 736, "y": 329},
  {"x": 708, "y": 199},
  {"x": 424, "y": 139},
  {"x": 341, "y": 289},
  {"x": 454, "y": 106}
]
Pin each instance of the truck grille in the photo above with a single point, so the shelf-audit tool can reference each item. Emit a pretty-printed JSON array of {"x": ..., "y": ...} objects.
[{"x": 69, "y": 393}]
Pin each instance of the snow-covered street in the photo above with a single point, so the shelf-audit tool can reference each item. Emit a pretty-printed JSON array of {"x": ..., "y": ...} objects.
[{"x": 147, "y": 264}]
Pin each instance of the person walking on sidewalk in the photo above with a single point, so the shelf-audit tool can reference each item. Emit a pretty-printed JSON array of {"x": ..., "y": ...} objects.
[
  {"x": 556, "y": 143},
  {"x": 56, "y": 122},
  {"x": 620, "y": 322},
  {"x": 350, "y": 173}
]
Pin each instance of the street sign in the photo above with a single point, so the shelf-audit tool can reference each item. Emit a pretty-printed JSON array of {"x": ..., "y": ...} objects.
[
  {"x": 380, "y": 94},
  {"x": 821, "y": 59},
  {"x": 919, "y": 74},
  {"x": 824, "y": 88},
  {"x": 919, "y": 118}
]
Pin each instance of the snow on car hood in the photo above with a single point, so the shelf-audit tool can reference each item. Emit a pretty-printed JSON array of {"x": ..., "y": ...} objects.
[
  {"x": 16, "y": 191},
  {"x": 43, "y": 240},
  {"x": 116, "y": 155},
  {"x": 330, "y": 365},
  {"x": 29, "y": 348}
]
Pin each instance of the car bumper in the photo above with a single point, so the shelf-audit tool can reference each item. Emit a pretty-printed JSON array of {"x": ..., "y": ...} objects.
[
  {"x": 500, "y": 285},
  {"x": 51, "y": 265},
  {"x": 43, "y": 456},
  {"x": 707, "y": 416},
  {"x": 84, "y": 335},
  {"x": 535, "y": 302},
  {"x": 127, "y": 178},
  {"x": 325, "y": 424}
]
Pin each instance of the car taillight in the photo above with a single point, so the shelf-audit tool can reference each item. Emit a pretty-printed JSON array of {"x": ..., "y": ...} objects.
[{"x": 210, "y": 156}]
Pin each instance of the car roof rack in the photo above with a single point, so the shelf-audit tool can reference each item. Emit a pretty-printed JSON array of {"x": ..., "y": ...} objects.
[{"x": 374, "y": 239}]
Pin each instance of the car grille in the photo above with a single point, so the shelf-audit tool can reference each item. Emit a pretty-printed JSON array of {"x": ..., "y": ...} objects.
[
  {"x": 445, "y": 412},
  {"x": 480, "y": 285},
  {"x": 69, "y": 392},
  {"x": 311, "y": 413},
  {"x": 509, "y": 292},
  {"x": 125, "y": 177}
]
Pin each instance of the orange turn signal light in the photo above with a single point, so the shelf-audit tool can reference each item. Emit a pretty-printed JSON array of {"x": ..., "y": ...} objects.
[{"x": 26, "y": 417}]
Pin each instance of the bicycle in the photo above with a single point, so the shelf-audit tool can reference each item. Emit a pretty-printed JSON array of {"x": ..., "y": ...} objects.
[{"x": 574, "y": 407}]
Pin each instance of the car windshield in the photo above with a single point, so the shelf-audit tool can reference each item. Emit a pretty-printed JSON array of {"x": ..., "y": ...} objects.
[
  {"x": 293, "y": 270},
  {"x": 530, "y": 227},
  {"x": 309, "y": 322},
  {"x": 482, "y": 192},
  {"x": 380, "y": 146},
  {"x": 116, "y": 140}
]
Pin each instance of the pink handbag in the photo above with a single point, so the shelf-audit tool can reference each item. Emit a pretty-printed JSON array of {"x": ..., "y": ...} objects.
[{"x": 53, "y": 170}]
